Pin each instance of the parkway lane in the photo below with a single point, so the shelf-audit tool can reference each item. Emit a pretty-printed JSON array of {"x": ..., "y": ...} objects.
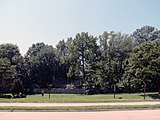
[
  {"x": 80, "y": 104},
  {"x": 103, "y": 115}
]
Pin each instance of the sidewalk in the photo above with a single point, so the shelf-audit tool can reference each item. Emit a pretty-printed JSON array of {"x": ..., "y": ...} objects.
[{"x": 79, "y": 104}]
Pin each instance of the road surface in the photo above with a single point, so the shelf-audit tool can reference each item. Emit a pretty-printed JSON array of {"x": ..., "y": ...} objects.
[
  {"x": 79, "y": 104},
  {"x": 105, "y": 115}
]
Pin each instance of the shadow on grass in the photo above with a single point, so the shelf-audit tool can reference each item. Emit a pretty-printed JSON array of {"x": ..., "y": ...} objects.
[{"x": 153, "y": 96}]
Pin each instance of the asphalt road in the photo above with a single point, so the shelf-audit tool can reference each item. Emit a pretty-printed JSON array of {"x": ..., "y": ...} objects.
[
  {"x": 79, "y": 104},
  {"x": 105, "y": 115}
]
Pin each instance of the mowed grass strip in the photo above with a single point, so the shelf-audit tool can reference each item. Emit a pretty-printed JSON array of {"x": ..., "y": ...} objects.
[
  {"x": 79, "y": 108},
  {"x": 77, "y": 98}
]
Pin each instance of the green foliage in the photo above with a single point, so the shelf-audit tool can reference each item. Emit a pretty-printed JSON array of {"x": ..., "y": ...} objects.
[
  {"x": 6, "y": 70},
  {"x": 145, "y": 34},
  {"x": 70, "y": 86},
  {"x": 91, "y": 87},
  {"x": 5, "y": 96},
  {"x": 144, "y": 65},
  {"x": 11, "y": 52},
  {"x": 43, "y": 64},
  {"x": 83, "y": 52},
  {"x": 93, "y": 82},
  {"x": 115, "y": 49},
  {"x": 94, "y": 63},
  {"x": 10, "y": 65},
  {"x": 17, "y": 89}
]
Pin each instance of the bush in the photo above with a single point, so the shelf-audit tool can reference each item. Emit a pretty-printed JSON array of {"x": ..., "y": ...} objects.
[
  {"x": 5, "y": 96},
  {"x": 17, "y": 89},
  {"x": 89, "y": 86},
  {"x": 19, "y": 96},
  {"x": 70, "y": 86}
]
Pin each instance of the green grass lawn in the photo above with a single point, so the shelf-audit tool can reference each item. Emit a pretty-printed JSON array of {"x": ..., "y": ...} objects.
[{"x": 77, "y": 98}]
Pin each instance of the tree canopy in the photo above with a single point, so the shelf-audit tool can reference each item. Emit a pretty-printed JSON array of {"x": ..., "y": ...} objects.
[{"x": 98, "y": 64}]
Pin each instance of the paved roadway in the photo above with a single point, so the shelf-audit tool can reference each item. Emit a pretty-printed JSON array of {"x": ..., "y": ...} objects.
[
  {"x": 79, "y": 104},
  {"x": 105, "y": 115}
]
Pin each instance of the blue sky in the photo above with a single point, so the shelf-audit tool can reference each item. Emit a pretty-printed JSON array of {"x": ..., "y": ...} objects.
[{"x": 24, "y": 22}]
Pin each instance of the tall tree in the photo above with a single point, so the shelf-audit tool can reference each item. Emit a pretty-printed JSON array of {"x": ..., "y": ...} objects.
[
  {"x": 7, "y": 73},
  {"x": 42, "y": 62},
  {"x": 82, "y": 53},
  {"x": 11, "y": 54},
  {"x": 144, "y": 66},
  {"x": 115, "y": 48},
  {"x": 145, "y": 34},
  {"x": 63, "y": 53}
]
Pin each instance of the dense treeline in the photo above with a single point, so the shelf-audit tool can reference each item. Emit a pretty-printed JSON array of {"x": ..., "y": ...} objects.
[{"x": 98, "y": 64}]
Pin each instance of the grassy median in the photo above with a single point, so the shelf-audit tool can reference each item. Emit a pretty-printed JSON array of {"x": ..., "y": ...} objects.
[{"x": 79, "y": 108}]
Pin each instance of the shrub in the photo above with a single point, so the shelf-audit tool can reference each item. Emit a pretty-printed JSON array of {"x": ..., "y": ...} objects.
[
  {"x": 5, "y": 96},
  {"x": 17, "y": 89},
  {"x": 19, "y": 96},
  {"x": 70, "y": 86}
]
